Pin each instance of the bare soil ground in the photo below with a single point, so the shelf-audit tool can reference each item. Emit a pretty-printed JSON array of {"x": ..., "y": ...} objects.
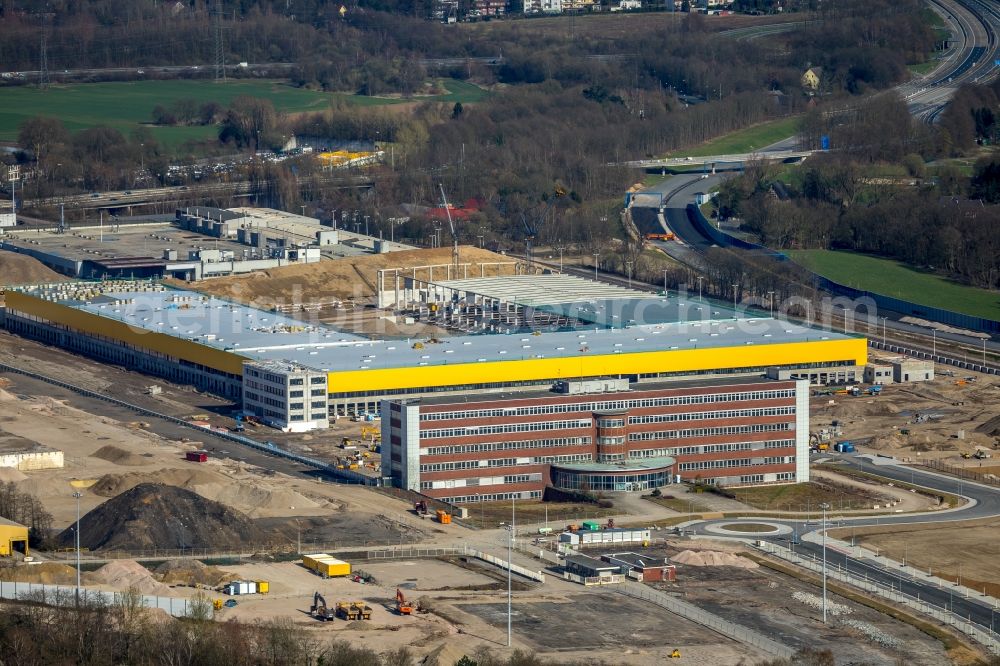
[
  {"x": 972, "y": 554},
  {"x": 349, "y": 280},
  {"x": 18, "y": 269},
  {"x": 934, "y": 414},
  {"x": 785, "y": 608}
]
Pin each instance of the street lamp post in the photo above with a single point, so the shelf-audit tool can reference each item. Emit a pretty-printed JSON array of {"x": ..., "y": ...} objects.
[
  {"x": 824, "y": 506},
  {"x": 736, "y": 288},
  {"x": 934, "y": 342},
  {"x": 596, "y": 255},
  {"x": 665, "y": 281},
  {"x": 77, "y": 495},
  {"x": 883, "y": 329},
  {"x": 700, "y": 278},
  {"x": 628, "y": 271}
]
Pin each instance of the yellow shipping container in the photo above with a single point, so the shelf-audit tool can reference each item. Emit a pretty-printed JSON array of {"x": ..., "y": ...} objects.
[
  {"x": 326, "y": 566},
  {"x": 263, "y": 587}
]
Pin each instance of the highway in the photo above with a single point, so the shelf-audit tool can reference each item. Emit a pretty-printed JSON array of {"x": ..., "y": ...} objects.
[{"x": 984, "y": 503}]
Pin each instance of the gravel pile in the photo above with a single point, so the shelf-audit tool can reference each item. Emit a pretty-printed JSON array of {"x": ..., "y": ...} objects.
[
  {"x": 874, "y": 634},
  {"x": 832, "y": 608}
]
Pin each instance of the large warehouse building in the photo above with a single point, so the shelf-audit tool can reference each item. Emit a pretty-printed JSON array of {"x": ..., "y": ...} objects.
[
  {"x": 283, "y": 369},
  {"x": 600, "y": 436}
]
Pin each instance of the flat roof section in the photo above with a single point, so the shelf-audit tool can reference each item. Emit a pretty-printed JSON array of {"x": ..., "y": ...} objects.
[
  {"x": 708, "y": 382},
  {"x": 590, "y": 301},
  {"x": 537, "y": 290},
  {"x": 628, "y": 466},
  {"x": 259, "y": 334}
]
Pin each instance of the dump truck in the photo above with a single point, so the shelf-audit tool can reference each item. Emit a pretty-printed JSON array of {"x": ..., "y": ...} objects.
[
  {"x": 364, "y": 610},
  {"x": 319, "y": 609},
  {"x": 347, "y": 611},
  {"x": 326, "y": 566}
]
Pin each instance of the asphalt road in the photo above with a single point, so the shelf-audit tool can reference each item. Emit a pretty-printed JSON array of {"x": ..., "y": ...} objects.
[{"x": 985, "y": 503}]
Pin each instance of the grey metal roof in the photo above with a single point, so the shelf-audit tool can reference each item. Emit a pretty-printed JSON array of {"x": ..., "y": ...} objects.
[
  {"x": 260, "y": 334},
  {"x": 639, "y": 465}
]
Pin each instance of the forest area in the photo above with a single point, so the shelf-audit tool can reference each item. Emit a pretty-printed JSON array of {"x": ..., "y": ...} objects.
[
  {"x": 562, "y": 110},
  {"x": 93, "y": 633},
  {"x": 920, "y": 214}
]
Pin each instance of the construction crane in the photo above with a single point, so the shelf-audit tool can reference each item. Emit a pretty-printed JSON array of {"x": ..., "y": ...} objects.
[
  {"x": 531, "y": 226},
  {"x": 451, "y": 226}
]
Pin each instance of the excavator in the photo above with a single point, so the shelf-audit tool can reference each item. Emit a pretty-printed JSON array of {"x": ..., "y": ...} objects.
[
  {"x": 402, "y": 606},
  {"x": 320, "y": 610}
]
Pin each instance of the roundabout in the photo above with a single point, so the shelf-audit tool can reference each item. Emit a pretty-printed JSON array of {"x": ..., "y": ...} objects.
[{"x": 748, "y": 528}]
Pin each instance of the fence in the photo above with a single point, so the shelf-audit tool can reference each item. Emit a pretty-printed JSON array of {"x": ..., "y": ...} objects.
[
  {"x": 714, "y": 622},
  {"x": 897, "y": 305},
  {"x": 466, "y": 551},
  {"x": 962, "y": 473},
  {"x": 981, "y": 634},
  {"x": 937, "y": 358},
  {"x": 346, "y": 475},
  {"x": 63, "y": 595}
]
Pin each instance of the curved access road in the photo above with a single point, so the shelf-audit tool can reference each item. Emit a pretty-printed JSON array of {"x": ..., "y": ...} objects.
[{"x": 983, "y": 502}]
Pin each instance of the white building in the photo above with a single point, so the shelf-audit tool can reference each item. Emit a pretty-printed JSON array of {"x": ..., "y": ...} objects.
[{"x": 286, "y": 395}]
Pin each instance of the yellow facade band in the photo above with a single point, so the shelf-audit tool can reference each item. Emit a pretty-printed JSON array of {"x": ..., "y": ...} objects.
[{"x": 853, "y": 350}]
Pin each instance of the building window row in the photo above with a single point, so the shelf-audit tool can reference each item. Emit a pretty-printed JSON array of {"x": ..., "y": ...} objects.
[
  {"x": 610, "y": 441},
  {"x": 504, "y": 446},
  {"x": 506, "y": 427},
  {"x": 267, "y": 388},
  {"x": 712, "y": 448},
  {"x": 489, "y": 497},
  {"x": 723, "y": 414},
  {"x": 709, "y": 432},
  {"x": 610, "y": 423},
  {"x": 735, "y": 462},
  {"x": 611, "y": 405},
  {"x": 472, "y": 464}
]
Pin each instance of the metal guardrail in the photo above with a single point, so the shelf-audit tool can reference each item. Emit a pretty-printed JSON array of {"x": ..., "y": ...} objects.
[
  {"x": 416, "y": 551},
  {"x": 342, "y": 474},
  {"x": 983, "y": 635},
  {"x": 714, "y": 622},
  {"x": 937, "y": 358}
]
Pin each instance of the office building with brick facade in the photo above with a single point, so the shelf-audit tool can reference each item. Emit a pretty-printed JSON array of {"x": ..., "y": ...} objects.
[{"x": 599, "y": 435}]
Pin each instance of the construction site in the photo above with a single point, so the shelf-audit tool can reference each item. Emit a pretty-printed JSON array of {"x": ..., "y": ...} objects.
[{"x": 172, "y": 504}]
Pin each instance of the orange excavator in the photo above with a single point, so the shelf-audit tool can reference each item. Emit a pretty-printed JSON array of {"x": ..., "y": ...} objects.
[{"x": 402, "y": 606}]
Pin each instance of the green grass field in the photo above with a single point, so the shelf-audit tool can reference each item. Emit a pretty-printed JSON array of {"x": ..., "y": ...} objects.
[
  {"x": 745, "y": 140},
  {"x": 924, "y": 67},
  {"x": 126, "y": 105},
  {"x": 892, "y": 278}
]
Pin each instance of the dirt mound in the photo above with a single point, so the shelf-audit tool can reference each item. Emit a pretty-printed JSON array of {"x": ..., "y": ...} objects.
[
  {"x": 158, "y": 516},
  {"x": 990, "y": 427},
  {"x": 343, "y": 279},
  {"x": 255, "y": 496},
  {"x": 712, "y": 558},
  {"x": 191, "y": 572},
  {"x": 110, "y": 485},
  {"x": 118, "y": 456},
  {"x": 21, "y": 269},
  {"x": 48, "y": 573},
  {"x": 125, "y": 574},
  {"x": 247, "y": 496},
  {"x": 11, "y": 475},
  {"x": 446, "y": 654}
]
